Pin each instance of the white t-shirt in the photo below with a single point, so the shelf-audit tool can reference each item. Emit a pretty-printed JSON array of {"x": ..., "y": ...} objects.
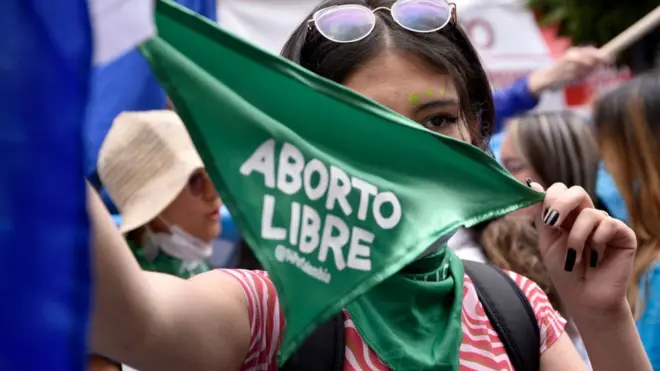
[{"x": 465, "y": 246}]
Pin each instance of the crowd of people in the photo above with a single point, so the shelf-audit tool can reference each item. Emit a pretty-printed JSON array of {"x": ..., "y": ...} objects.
[{"x": 592, "y": 280}]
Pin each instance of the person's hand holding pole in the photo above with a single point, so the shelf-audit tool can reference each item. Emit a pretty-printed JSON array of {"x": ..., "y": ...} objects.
[
  {"x": 632, "y": 34},
  {"x": 576, "y": 64}
]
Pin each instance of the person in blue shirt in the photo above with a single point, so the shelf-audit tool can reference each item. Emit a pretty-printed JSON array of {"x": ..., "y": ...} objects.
[
  {"x": 628, "y": 131},
  {"x": 523, "y": 95}
]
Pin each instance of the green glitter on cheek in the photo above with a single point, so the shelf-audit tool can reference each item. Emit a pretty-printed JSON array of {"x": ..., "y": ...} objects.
[{"x": 429, "y": 92}]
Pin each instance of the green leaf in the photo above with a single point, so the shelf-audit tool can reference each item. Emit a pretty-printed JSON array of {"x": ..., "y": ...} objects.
[
  {"x": 590, "y": 21},
  {"x": 557, "y": 15}
]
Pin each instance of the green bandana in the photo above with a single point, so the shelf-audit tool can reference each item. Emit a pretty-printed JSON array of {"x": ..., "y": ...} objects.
[
  {"x": 412, "y": 320},
  {"x": 301, "y": 164},
  {"x": 164, "y": 263}
]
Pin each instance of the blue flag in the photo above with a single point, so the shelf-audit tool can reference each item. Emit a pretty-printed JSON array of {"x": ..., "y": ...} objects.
[
  {"x": 126, "y": 84},
  {"x": 44, "y": 249}
]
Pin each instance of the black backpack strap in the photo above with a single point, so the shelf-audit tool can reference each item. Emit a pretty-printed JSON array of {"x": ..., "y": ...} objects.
[
  {"x": 323, "y": 350},
  {"x": 510, "y": 313}
]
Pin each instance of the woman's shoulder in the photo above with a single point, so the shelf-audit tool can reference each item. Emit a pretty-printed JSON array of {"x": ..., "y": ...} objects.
[
  {"x": 265, "y": 315},
  {"x": 535, "y": 295},
  {"x": 551, "y": 323},
  {"x": 532, "y": 291},
  {"x": 246, "y": 273},
  {"x": 257, "y": 287}
]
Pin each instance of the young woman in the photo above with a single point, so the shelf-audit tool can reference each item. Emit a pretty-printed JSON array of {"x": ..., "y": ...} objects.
[
  {"x": 231, "y": 320},
  {"x": 628, "y": 128},
  {"x": 549, "y": 148},
  {"x": 170, "y": 226},
  {"x": 558, "y": 147},
  {"x": 154, "y": 175}
]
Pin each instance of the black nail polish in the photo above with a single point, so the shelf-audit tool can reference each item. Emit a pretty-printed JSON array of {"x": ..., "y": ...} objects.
[
  {"x": 571, "y": 255},
  {"x": 552, "y": 218},
  {"x": 529, "y": 182},
  {"x": 593, "y": 259},
  {"x": 545, "y": 214}
]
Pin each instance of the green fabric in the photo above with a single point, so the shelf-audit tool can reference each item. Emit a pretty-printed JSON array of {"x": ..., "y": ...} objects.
[
  {"x": 164, "y": 263},
  {"x": 418, "y": 327},
  {"x": 282, "y": 145}
]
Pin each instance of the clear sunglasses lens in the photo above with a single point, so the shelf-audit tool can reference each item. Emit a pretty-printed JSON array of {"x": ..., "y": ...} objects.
[
  {"x": 345, "y": 23},
  {"x": 421, "y": 15}
]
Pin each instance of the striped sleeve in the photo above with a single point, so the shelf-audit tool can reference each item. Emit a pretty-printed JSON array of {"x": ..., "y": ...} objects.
[
  {"x": 551, "y": 323},
  {"x": 266, "y": 318}
]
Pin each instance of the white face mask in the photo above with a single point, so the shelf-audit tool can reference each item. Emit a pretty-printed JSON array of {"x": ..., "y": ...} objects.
[{"x": 178, "y": 244}]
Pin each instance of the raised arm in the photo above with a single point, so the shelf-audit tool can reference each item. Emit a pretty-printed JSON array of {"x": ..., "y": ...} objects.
[
  {"x": 590, "y": 256},
  {"x": 523, "y": 95},
  {"x": 153, "y": 321}
]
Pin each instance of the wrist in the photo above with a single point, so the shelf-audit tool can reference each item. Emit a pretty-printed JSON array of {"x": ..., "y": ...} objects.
[
  {"x": 617, "y": 315},
  {"x": 611, "y": 332},
  {"x": 539, "y": 81}
]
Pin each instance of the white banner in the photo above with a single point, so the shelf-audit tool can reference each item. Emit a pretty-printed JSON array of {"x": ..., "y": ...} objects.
[{"x": 119, "y": 26}]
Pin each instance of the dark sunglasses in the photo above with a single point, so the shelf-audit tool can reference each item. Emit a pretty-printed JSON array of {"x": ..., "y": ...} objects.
[{"x": 197, "y": 183}]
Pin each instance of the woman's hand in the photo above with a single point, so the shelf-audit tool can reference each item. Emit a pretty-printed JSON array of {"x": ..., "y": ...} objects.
[
  {"x": 588, "y": 254},
  {"x": 575, "y": 65}
]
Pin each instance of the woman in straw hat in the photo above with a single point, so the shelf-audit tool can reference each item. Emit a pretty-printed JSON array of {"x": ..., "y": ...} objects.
[{"x": 170, "y": 209}]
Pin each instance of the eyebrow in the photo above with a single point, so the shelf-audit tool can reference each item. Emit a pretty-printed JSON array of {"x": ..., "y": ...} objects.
[{"x": 438, "y": 103}]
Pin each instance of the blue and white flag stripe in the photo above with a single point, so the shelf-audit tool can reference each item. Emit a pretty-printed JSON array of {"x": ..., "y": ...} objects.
[{"x": 45, "y": 69}]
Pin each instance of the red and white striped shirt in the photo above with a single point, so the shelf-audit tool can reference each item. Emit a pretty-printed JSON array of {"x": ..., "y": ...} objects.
[{"x": 481, "y": 348}]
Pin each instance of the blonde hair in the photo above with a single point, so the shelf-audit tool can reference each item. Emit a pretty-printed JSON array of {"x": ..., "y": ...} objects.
[{"x": 628, "y": 126}]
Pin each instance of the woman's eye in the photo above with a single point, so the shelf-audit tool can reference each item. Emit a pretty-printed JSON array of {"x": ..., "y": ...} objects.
[
  {"x": 196, "y": 183},
  {"x": 438, "y": 121},
  {"x": 514, "y": 166}
]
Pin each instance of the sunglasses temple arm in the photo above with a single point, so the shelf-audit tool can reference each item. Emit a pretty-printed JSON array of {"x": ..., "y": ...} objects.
[{"x": 453, "y": 16}]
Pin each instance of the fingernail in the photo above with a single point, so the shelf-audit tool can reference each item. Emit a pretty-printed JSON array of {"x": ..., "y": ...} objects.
[
  {"x": 571, "y": 255},
  {"x": 545, "y": 213},
  {"x": 551, "y": 218},
  {"x": 529, "y": 182},
  {"x": 593, "y": 259}
]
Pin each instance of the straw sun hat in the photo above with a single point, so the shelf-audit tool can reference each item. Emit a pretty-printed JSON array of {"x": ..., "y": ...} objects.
[{"x": 145, "y": 161}]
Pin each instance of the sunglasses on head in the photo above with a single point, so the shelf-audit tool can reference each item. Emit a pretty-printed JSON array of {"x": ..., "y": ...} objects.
[{"x": 351, "y": 23}]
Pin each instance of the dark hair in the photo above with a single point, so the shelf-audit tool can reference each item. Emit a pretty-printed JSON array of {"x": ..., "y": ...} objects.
[{"x": 449, "y": 50}]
